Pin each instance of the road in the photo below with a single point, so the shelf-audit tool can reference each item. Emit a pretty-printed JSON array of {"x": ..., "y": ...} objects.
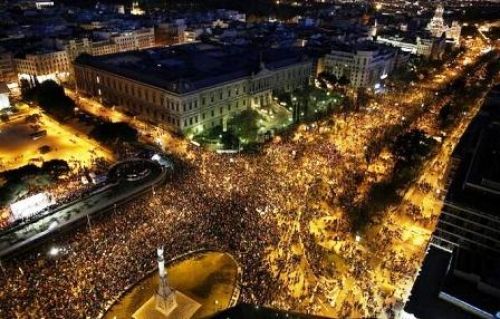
[{"x": 14, "y": 240}]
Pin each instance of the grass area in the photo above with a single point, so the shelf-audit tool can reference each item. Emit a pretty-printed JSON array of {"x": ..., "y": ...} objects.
[{"x": 206, "y": 278}]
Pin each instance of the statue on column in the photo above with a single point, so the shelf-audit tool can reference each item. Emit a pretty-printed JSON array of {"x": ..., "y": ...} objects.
[
  {"x": 166, "y": 302},
  {"x": 165, "y": 296}
]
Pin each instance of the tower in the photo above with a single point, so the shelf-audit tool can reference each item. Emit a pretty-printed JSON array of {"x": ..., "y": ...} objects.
[
  {"x": 166, "y": 303},
  {"x": 165, "y": 296},
  {"x": 454, "y": 32},
  {"x": 438, "y": 14},
  {"x": 436, "y": 25}
]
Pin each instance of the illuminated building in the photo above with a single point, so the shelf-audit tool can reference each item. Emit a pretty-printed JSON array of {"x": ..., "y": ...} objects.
[
  {"x": 4, "y": 96},
  {"x": 7, "y": 68},
  {"x": 428, "y": 47},
  {"x": 192, "y": 86},
  {"x": 170, "y": 33},
  {"x": 437, "y": 27},
  {"x": 364, "y": 64},
  {"x": 42, "y": 4},
  {"x": 136, "y": 9},
  {"x": 44, "y": 64}
]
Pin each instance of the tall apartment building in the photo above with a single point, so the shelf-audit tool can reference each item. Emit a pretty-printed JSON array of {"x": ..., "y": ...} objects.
[
  {"x": 191, "y": 87},
  {"x": 364, "y": 64}
]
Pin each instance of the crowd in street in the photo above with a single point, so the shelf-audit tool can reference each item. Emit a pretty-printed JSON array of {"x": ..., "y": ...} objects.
[
  {"x": 62, "y": 189},
  {"x": 242, "y": 204},
  {"x": 282, "y": 213}
]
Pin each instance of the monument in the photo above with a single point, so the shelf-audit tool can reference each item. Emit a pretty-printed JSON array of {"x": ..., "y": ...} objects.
[
  {"x": 165, "y": 296},
  {"x": 167, "y": 303}
]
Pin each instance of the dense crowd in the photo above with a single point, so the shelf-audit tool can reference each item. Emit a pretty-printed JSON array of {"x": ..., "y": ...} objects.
[
  {"x": 243, "y": 204},
  {"x": 63, "y": 189},
  {"x": 282, "y": 213}
]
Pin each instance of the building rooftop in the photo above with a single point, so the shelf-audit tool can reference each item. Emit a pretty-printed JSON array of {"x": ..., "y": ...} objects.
[
  {"x": 424, "y": 301},
  {"x": 471, "y": 276},
  {"x": 365, "y": 46},
  {"x": 190, "y": 67},
  {"x": 476, "y": 183}
]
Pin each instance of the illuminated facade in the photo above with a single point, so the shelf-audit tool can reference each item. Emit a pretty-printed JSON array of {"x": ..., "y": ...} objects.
[
  {"x": 43, "y": 65},
  {"x": 426, "y": 47},
  {"x": 117, "y": 42},
  {"x": 191, "y": 87},
  {"x": 170, "y": 33},
  {"x": 134, "y": 40},
  {"x": 4, "y": 96},
  {"x": 437, "y": 27},
  {"x": 7, "y": 68},
  {"x": 364, "y": 65}
]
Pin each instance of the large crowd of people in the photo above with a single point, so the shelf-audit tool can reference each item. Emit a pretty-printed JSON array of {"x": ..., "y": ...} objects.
[
  {"x": 63, "y": 189},
  {"x": 251, "y": 206},
  {"x": 283, "y": 214}
]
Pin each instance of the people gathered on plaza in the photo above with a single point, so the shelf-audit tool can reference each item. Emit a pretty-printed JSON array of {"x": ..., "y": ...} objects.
[
  {"x": 286, "y": 215},
  {"x": 262, "y": 209}
]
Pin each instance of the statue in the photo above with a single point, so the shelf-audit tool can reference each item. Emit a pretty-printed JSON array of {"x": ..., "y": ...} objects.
[{"x": 165, "y": 296}]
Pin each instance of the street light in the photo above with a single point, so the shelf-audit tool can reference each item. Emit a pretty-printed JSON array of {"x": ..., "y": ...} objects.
[{"x": 54, "y": 251}]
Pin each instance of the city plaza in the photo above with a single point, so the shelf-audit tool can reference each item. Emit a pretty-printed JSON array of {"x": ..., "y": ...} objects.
[{"x": 283, "y": 214}]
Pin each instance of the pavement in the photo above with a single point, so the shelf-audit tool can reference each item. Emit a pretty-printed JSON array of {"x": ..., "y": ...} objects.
[
  {"x": 104, "y": 197},
  {"x": 17, "y": 148}
]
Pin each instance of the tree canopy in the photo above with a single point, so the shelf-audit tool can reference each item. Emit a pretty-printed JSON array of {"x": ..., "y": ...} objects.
[
  {"x": 245, "y": 124},
  {"x": 411, "y": 145},
  {"x": 109, "y": 132},
  {"x": 51, "y": 97}
]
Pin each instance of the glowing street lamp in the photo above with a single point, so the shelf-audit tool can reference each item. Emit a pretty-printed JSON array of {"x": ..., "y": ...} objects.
[{"x": 54, "y": 251}]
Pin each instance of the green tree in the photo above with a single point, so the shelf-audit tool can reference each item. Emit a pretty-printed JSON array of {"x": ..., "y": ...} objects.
[
  {"x": 246, "y": 124},
  {"x": 51, "y": 97},
  {"x": 327, "y": 78},
  {"x": 445, "y": 116},
  {"x": 109, "y": 132},
  {"x": 412, "y": 145}
]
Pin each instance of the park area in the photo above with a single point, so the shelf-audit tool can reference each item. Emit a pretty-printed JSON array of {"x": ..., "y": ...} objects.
[{"x": 209, "y": 278}]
